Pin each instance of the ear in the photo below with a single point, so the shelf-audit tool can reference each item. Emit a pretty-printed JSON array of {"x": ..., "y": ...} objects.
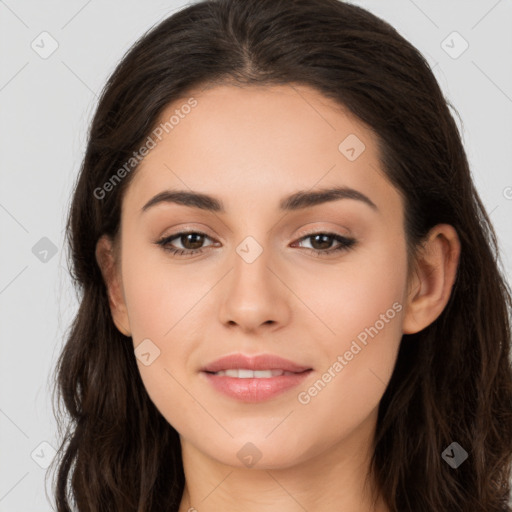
[
  {"x": 431, "y": 285},
  {"x": 106, "y": 257}
]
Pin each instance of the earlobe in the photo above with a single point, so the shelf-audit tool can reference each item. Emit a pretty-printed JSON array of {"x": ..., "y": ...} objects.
[
  {"x": 436, "y": 270},
  {"x": 106, "y": 259}
]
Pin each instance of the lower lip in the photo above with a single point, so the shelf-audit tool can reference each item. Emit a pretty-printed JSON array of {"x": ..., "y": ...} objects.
[{"x": 255, "y": 390}]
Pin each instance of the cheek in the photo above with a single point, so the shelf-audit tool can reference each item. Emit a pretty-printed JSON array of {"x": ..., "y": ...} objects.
[
  {"x": 161, "y": 302},
  {"x": 159, "y": 295},
  {"x": 363, "y": 309},
  {"x": 361, "y": 289}
]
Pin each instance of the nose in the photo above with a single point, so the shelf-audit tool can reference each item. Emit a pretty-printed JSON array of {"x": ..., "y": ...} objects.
[{"x": 254, "y": 295}]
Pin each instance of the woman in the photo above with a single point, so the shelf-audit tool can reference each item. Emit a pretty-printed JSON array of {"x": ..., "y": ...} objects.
[{"x": 291, "y": 297}]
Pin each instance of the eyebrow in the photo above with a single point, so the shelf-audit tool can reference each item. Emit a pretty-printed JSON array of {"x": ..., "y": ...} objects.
[{"x": 296, "y": 201}]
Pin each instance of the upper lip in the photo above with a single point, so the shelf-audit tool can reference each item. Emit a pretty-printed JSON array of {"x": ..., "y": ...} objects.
[{"x": 259, "y": 362}]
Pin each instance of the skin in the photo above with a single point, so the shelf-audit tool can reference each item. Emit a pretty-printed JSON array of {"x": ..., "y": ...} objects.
[{"x": 250, "y": 147}]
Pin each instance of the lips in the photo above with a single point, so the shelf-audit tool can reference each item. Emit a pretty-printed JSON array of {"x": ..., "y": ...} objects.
[
  {"x": 254, "y": 378},
  {"x": 244, "y": 373},
  {"x": 254, "y": 363}
]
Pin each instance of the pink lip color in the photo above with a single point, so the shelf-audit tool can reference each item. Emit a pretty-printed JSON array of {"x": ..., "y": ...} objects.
[
  {"x": 255, "y": 390},
  {"x": 259, "y": 362}
]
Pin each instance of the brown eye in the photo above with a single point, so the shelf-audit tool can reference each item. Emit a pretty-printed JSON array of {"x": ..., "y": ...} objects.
[
  {"x": 321, "y": 243},
  {"x": 191, "y": 242}
]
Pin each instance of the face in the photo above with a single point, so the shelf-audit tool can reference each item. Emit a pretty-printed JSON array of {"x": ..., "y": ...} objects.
[{"x": 317, "y": 280}]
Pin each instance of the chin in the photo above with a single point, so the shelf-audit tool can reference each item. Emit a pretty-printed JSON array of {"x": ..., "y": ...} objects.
[{"x": 258, "y": 452}]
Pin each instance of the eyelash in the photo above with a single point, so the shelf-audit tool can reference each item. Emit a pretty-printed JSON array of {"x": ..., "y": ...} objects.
[{"x": 345, "y": 243}]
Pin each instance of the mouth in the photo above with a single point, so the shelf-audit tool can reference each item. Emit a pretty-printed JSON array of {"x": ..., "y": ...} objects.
[
  {"x": 254, "y": 378},
  {"x": 243, "y": 373}
]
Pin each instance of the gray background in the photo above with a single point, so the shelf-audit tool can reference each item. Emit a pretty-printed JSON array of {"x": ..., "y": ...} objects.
[{"x": 46, "y": 105}]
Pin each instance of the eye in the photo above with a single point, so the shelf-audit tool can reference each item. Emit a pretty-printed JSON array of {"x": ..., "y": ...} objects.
[
  {"x": 192, "y": 243},
  {"x": 321, "y": 243}
]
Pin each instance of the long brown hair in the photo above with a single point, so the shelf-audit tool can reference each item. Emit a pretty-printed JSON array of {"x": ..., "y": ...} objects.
[{"x": 452, "y": 381}]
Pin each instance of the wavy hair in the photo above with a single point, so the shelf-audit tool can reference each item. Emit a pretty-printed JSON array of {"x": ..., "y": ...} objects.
[{"x": 452, "y": 381}]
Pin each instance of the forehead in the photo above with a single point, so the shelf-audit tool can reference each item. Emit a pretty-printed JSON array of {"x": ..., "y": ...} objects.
[{"x": 248, "y": 144}]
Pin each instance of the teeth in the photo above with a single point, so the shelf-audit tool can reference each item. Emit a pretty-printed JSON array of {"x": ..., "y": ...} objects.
[{"x": 242, "y": 373}]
